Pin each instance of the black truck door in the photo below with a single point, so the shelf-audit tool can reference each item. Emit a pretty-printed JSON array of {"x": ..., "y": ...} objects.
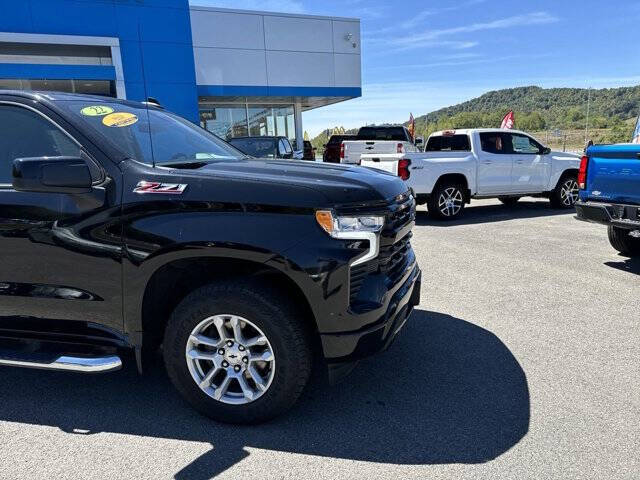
[{"x": 60, "y": 251}]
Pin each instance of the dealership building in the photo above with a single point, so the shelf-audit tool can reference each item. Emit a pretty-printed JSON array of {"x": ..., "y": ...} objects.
[{"x": 236, "y": 72}]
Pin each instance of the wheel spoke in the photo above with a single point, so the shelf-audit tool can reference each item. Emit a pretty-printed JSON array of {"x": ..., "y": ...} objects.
[
  {"x": 255, "y": 341},
  {"x": 206, "y": 381},
  {"x": 265, "y": 356},
  {"x": 237, "y": 329},
  {"x": 198, "y": 355},
  {"x": 247, "y": 391},
  {"x": 222, "y": 331},
  {"x": 222, "y": 388},
  {"x": 257, "y": 378},
  {"x": 202, "y": 340}
]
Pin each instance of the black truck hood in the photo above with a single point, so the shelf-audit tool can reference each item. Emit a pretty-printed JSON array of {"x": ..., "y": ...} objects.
[{"x": 340, "y": 184}]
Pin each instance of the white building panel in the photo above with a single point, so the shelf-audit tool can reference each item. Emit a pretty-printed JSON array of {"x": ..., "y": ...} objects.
[
  {"x": 298, "y": 34},
  {"x": 347, "y": 68},
  {"x": 220, "y": 66},
  {"x": 346, "y": 37},
  {"x": 300, "y": 69},
  {"x": 248, "y": 48},
  {"x": 226, "y": 30}
]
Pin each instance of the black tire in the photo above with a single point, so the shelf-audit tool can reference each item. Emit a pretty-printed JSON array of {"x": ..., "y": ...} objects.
[
  {"x": 274, "y": 315},
  {"x": 623, "y": 242},
  {"x": 442, "y": 192},
  {"x": 509, "y": 201},
  {"x": 560, "y": 198}
]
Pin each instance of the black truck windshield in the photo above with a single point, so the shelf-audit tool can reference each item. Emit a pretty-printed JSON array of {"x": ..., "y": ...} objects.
[{"x": 136, "y": 129}]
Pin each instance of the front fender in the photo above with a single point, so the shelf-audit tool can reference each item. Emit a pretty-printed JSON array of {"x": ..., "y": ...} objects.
[{"x": 155, "y": 238}]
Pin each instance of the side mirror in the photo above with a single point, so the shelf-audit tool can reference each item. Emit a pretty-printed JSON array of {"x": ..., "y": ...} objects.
[
  {"x": 546, "y": 150},
  {"x": 419, "y": 141},
  {"x": 51, "y": 175}
]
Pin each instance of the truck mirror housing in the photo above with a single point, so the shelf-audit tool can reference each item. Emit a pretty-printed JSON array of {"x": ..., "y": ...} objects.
[{"x": 51, "y": 175}]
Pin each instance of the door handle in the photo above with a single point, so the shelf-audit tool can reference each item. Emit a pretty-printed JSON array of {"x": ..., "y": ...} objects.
[{"x": 487, "y": 162}]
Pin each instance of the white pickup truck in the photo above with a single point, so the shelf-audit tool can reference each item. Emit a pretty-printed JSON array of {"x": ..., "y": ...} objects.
[
  {"x": 459, "y": 165},
  {"x": 377, "y": 140}
]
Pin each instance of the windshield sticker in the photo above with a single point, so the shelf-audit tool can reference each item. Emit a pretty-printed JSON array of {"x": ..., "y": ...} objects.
[
  {"x": 119, "y": 119},
  {"x": 96, "y": 110}
]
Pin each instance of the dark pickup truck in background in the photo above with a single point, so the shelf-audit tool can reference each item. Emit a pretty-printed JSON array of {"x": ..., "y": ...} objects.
[
  {"x": 609, "y": 182},
  {"x": 332, "y": 148},
  {"x": 124, "y": 228}
]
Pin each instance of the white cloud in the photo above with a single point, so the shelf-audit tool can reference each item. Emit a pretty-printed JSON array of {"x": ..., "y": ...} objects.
[
  {"x": 418, "y": 19},
  {"x": 525, "y": 20},
  {"x": 284, "y": 6}
]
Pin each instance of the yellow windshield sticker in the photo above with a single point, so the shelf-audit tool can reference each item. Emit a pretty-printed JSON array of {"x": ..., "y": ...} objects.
[
  {"x": 96, "y": 110},
  {"x": 119, "y": 119}
]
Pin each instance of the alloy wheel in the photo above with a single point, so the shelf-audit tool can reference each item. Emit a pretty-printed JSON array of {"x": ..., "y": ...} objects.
[
  {"x": 569, "y": 193},
  {"x": 450, "y": 202},
  {"x": 230, "y": 359}
]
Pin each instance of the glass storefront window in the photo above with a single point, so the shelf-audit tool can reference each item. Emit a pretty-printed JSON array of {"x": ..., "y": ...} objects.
[
  {"x": 92, "y": 87},
  {"x": 225, "y": 121},
  {"x": 238, "y": 120},
  {"x": 259, "y": 124}
]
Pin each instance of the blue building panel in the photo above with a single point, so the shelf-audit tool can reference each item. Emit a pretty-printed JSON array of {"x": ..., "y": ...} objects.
[
  {"x": 156, "y": 50},
  {"x": 154, "y": 36},
  {"x": 154, "y": 24}
]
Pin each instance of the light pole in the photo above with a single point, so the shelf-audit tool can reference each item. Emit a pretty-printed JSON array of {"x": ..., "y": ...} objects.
[{"x": 586, "y": 127}]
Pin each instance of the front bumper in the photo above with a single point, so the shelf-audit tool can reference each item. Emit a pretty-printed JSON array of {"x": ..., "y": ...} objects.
[
  {"x": 343, "y": 350},
  {"x": 619, "y": 215}
]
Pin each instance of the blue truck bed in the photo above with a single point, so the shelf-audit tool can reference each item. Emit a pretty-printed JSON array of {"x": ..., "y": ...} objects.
[{"x": 609, "y": 181}]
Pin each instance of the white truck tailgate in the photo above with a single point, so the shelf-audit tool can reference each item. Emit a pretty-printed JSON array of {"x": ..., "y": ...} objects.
[
  {"x": 355, "y": 149},
  {"x": 385, "y": 162}
]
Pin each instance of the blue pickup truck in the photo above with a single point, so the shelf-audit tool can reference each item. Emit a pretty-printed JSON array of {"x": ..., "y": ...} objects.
[{"x": 609, "y": 182}]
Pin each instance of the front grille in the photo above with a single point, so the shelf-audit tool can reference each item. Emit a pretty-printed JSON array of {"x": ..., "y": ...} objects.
[
  {"x": 391, "y": 263},
  {"x": 392, "y": 258},
  {"x": 358, "y": 275},
  {"x": 403, "y": 213}
]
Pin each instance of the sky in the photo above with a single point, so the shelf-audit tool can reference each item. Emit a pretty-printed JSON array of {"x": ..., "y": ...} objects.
[{"x": 418, "y": 56}]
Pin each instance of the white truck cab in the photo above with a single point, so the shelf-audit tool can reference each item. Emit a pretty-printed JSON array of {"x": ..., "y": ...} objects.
[{"x": 459, "y": 165}]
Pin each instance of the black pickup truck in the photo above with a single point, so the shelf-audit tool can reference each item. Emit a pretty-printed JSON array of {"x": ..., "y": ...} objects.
[{"x": 125, "y": 228}]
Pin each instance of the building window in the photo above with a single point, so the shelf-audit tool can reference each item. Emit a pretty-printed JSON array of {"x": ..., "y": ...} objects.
[
  {"x": 90, "y": 87},
  {"x": 239, "y": 120},
  {"x": 225, "y": 121}
]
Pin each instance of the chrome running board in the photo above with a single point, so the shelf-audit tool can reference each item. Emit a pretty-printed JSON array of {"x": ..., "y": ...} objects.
[{"x": 67, "y": 363}]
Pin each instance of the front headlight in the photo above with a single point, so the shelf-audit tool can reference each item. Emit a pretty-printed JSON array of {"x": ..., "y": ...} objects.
[{"x": 365, "y": 227}]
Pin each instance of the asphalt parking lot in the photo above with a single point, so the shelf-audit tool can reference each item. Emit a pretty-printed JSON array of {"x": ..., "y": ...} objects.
[{"x": 521, "y": 362}]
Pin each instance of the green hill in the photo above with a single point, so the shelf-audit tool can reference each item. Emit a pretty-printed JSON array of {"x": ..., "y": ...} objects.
[
  {"x": 559, "y": 115},
  {"x": 623, "y": 102},
  {"x": 538, "y": 109}
]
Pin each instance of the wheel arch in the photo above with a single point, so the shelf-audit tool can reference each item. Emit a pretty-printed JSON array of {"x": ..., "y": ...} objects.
[
  {"x": 172, "y": 280},
  {"x": 455, "y": 177}
]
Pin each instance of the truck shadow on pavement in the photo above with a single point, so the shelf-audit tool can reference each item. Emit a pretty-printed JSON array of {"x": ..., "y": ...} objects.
[
  {"x": 631, "y": 265},
  {"x": 447, "y": 391},
  {"x": 474, "y": 214}
]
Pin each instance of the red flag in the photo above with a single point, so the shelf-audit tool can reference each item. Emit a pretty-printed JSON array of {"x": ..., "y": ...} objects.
[
  {"x": 412, "y": 126},
  {"x": 508, "y": 120}
]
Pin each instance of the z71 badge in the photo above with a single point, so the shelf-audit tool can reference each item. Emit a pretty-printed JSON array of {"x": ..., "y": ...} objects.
[{"x": 156, "y": 187}]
